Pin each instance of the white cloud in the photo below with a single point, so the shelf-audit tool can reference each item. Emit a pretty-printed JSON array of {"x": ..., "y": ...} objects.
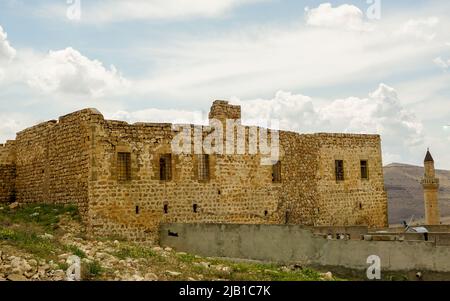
[
  {"x": 266, "y": 59},
  {"x": 131, "y": 10},
  {"x": 292, "y": 111},
  {"x": 159, "y": 115},
  {"x": 421, "y": 28},
  {"x": 442, "y": 63},
  {"x": 6, "y": 51},
  {"x": 64, "y": 71},
  {"x": 67, "y": 71},
  {"x": 345, "y": 16},
  {"x": 342, "y": 50},
  {"x": 10, "y": 124},
  {"x": 380, "y": 113}
]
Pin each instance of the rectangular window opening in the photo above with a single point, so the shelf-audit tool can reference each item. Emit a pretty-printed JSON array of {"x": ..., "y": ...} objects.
[
  {"x": 124, "y": 166},
  {"x": 364, "y": 170},
  {"x": 276, "y": 172},
  {"x": 203, "y": 167},
  {"x": 339, "y": 170},
  {"x": 165, "y": 167}
]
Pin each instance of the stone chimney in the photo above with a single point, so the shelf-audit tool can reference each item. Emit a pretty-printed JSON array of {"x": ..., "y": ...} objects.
[{"x": 222, "y": 110}]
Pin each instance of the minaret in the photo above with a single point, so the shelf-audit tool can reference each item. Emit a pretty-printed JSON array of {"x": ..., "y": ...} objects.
[{"x": 430, "y": 189}]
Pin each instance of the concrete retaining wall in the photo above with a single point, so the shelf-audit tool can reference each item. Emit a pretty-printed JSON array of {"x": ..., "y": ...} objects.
[{"x": 297, "y": 244}]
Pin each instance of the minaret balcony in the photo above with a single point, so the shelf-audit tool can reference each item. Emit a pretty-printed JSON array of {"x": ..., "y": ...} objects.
[{"x": 429, "y": 181}]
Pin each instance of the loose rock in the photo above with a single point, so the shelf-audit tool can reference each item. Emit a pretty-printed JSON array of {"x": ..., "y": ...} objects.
[
  {"x": 16, "y": 277},
  {"x": 173, "y": 273},
  {"x": 14, "y": 205}
]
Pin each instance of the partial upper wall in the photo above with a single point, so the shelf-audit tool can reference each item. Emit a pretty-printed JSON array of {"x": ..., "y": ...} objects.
[
  {"x": 299, "y": 160},
  {"x": 53, "y": 160},
  {"x": 222, "y": 110},
  {"x": 138, "y": 181},
  {"x": 350, "y": 180},
  {"x": 7, "y": 172},
  {"x": 82, "y": 115},
  {"x": 8, "y": 152}
]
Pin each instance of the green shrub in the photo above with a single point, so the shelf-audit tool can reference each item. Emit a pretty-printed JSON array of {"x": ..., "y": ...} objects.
[
  {"x": 91, "y": 270},
  {"x": 7, "y": 234},
  {"x": 63, "y": 266},
  {"x": 187, "y": 258},
  {"x": 28, "y": 241},
  {"x": 44, "y": 215},
  {"x": 76, "y": 251},
  {"x": 135, "y": 252}
]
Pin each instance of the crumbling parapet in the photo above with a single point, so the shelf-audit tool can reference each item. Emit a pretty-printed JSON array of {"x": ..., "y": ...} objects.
[{"x": 222, "y": 110}]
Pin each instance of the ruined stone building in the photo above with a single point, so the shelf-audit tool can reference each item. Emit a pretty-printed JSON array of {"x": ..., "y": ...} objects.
[{"x": 126, "y": 179}]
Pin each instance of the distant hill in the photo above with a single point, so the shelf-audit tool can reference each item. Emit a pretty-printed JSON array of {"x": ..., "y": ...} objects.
[{"x": 405, "y": 194}]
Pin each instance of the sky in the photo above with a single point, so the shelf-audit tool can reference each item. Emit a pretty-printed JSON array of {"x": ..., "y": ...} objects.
[{"x": 363, "y": 66}]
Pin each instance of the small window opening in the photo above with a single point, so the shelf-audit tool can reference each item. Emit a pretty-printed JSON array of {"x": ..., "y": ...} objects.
[
  {"x": 165, "y": 167},
  {"x": 276, "y": 172},
  {"x": 137, "y": 209},
  {"x": 174, "y": 234},
  {"x": 203, "y": 167},
  {"x": 124, "y": 166},
  {"x": 364, "y": 170},
  {"x": 266, "y": 212},
  {"x": 166, "y": 208},
  {"x": 13, "y": 196},
  {"x": 339, "y": 170},
  {"x": 194, "y": 208}
]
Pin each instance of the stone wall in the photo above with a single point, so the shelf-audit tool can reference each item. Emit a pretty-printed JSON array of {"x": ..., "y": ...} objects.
[
  {"x": 7, "y": 172},
  {"x": 309, "y": 193},
  {"x": 53, "y": 161},
  {"x": 75, "y": 160},
  {"x": 239, "y": 189},
  {"x": 293, "y": 244},
  {"x": 354, "y": 201},
  {"x": 297, "y": 192},
  {"x": 8, "y": 152}
]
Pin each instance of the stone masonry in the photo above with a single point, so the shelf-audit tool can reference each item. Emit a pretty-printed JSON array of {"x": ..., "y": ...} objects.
[
  {"x": 7, "y": 172},
  {"x": 77, "y": 159}
]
